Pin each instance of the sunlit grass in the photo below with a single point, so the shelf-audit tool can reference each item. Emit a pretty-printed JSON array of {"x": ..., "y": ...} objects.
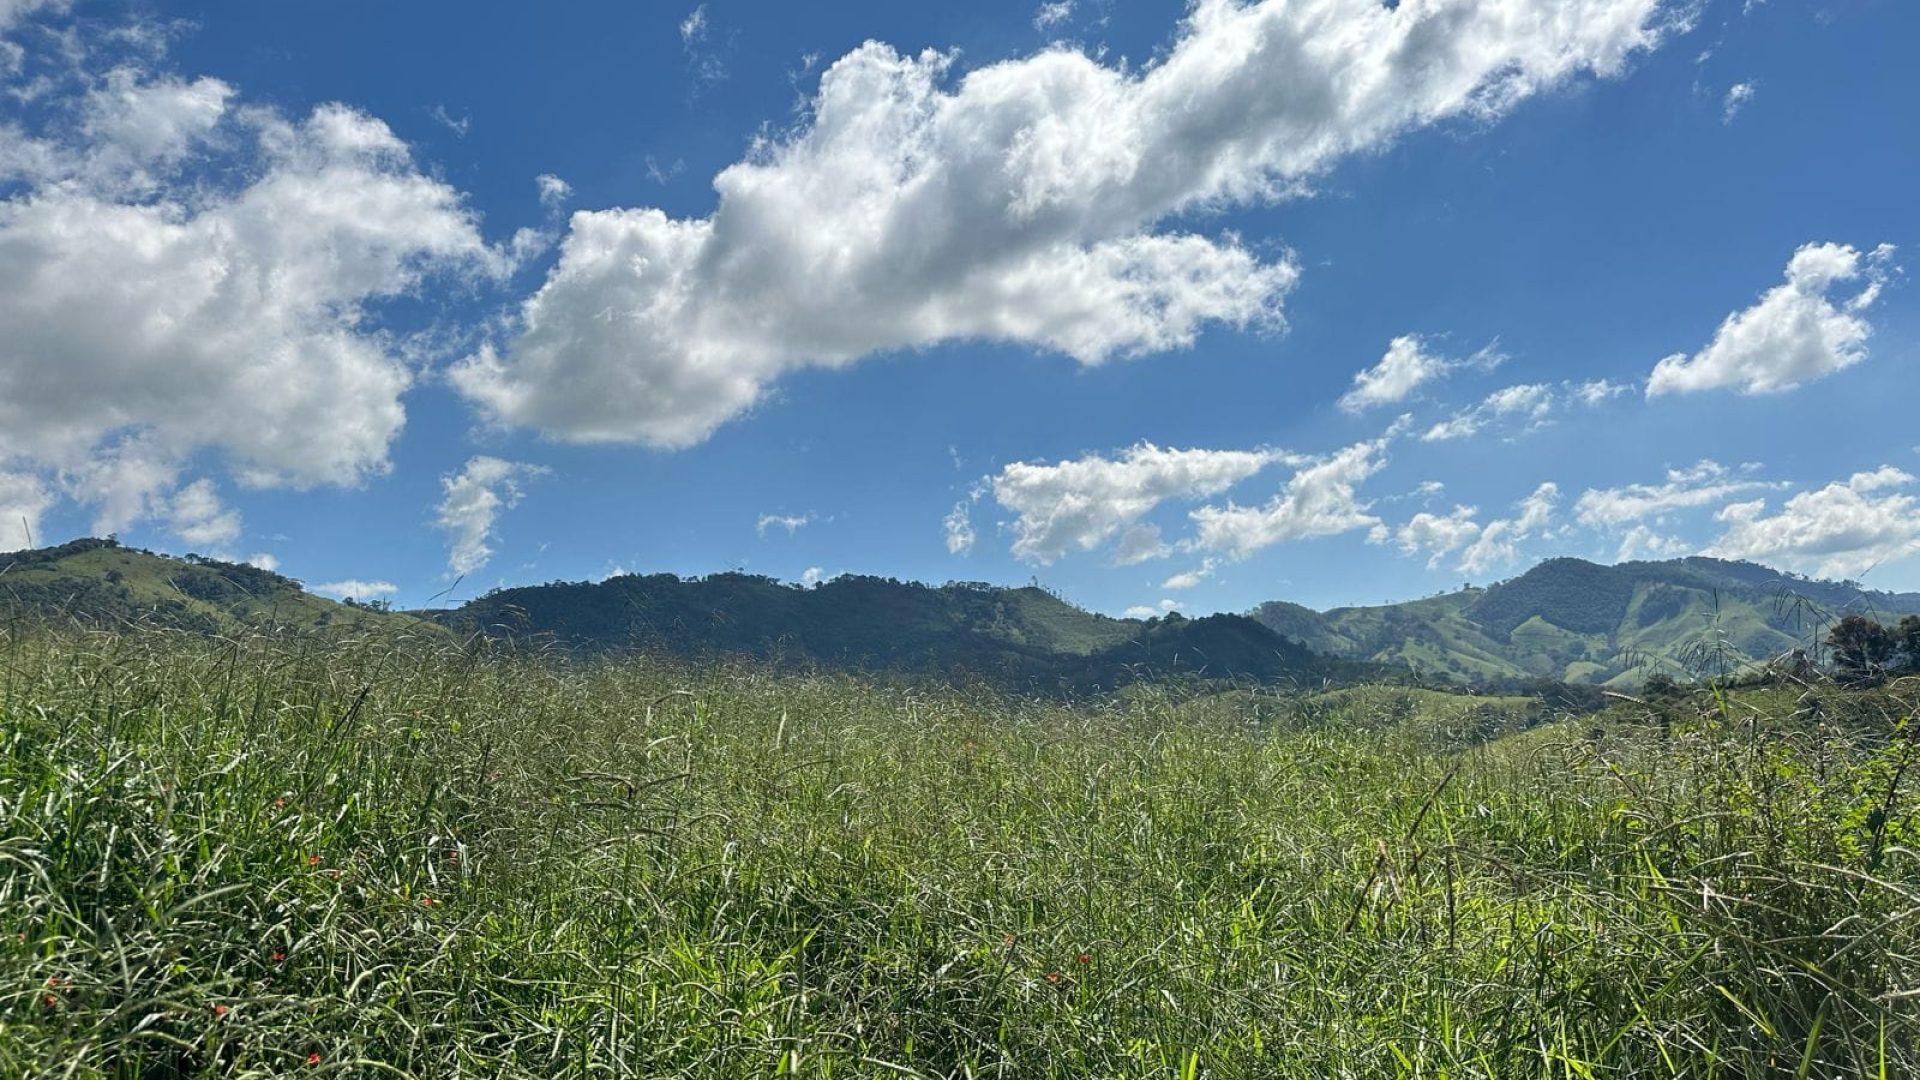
[{"x": 362, "y": 856}]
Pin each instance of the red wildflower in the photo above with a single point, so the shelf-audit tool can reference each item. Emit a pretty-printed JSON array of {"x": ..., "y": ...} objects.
[
  {"x": 313, "y": 860},
  {"x": 279, "y": 957},
  {"x": 426, "y": 901},
  {"x": 219, "y": 1010},
  {"x": 50, "y": 1001},
  {"x": 1084, "y": 958},
  {"x": 1053, "y": 976},
  {"x": 313, "y": 1059}
]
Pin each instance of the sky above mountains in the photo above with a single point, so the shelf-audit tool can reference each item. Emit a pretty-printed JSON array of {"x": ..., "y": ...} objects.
[{"x": 1173, "y": 307}]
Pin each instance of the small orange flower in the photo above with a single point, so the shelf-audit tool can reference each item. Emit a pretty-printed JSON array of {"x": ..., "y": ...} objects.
[
  {"x": 426, "y": 901},
  {"x": 313, "y": 860},
  {"x": 1053, "y": 976},
  {"x": 219, "y": 1010},
  {"x": 279, "y": 803},
  {"x": 50, "y": 1001},
  {"x": 279, "y": 958},
  {"x": 1084, "y": 958},
  {"x": 313, "y": 1059}
]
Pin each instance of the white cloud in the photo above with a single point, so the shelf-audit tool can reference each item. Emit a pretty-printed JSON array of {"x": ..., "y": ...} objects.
[
  {"x": 265, "y": 561},
  {"x": 23, "y": 499},
  {"x": 1498, "y": 543},
  {"x": 1017, "y": 203},
  {"x": 1406, "y": 367},
  {"x": 1793, "y": 335},
  {"x": 812, "y": 576},
  {"x": 1143, "y": 611},
  {"x": 196, "y": 515},
  {"x": 1140, "y": 543},
  {"x": 1737, "y": 96},
  {"x": 1190, "y": 578},
  {"x": 1321, "y": 499},
  {"x": 793, "y": 523},
  {"x": 694, "y": 27},
  {"x": 1481, "y": 547},
  {"x": 1597, "y": 392},
  {"x": 1840, "y": 530},
  {"x": 179, "y": 273},
  {"x": 959, "y": 526},
  {"x": 355, "y": 589},
  {"x": 1643, "y": 541},
  {"x": 1531, "y": 402},
  {"x": 1050, "y": 15},
  {"x": 1083, "y": 503},
  {"x": 1702, "y": 484},
  {"x": 473, "y": 500},
  {"x": 1438, "y": 535},
  {"x": 554, "y": 192}
]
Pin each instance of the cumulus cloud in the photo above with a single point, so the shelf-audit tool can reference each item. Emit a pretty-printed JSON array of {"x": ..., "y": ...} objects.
[
  {"x": 1701, "y": 484},
  {"x": 23, "y": 499},
  {"x": 1737, "y": 96},
  {"x": 196, "y": 515},
  {"x": 180, "y": 273},
  {"x": 1795, "y": 334},
  {"x": 1840, "y": 530},
  {"x": 355, "y": 589},
  {"x": 1407, "y": 365},
  {"x": 1498, "y": 543},
  {"x": 1140, "y": 543},
  {"x": 473, "y": 499},
  {"x": 265, "y": 561},
  {"x": 1643, "y": 541},
  {"x": 1018, "y": 203},
  {"x": 1530, "y": 403},
  {"x": 812, "y": 576},
  {"x": 793, "y": 523},
  {"x": 1320, "y": 499},
  {"x": 1144, "y": 611},
  {"x": 1083, "y": 503},
  {"x": 1481, "y": 547}
]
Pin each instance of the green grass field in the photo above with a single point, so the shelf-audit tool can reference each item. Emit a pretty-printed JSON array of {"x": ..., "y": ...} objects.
[{"x": 368, "y": 857}]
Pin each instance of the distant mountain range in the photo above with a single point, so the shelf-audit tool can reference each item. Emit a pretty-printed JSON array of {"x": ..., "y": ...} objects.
[
  {"x": 1576, "y": 621},
  {"x": 1565, "y": 620}
]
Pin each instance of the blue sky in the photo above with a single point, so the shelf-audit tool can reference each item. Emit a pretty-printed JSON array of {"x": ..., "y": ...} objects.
[{"x": 1099, "y": 293}]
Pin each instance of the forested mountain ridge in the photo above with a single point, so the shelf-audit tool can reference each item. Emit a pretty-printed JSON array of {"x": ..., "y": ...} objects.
[
  {"x": 1026, "y": 637},
  {"x": 1577, "y": 621}
]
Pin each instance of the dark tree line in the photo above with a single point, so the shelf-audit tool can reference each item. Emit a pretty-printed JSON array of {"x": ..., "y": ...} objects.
[{"x": 1864, "y": 650}]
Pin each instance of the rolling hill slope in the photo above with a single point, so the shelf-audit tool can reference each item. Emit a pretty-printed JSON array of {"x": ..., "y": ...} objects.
[
  {"x": 99, "y": 584},
  {"x": 1576, "y": 621}
]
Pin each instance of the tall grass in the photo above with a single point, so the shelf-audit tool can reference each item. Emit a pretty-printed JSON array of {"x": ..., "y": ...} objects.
[{"x": 367, "y": 857}]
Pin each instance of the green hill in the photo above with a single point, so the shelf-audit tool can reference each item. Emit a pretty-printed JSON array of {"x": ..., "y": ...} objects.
[
  {"x": 1575, "y": 621},
  {"x": 1024, "y": 637},
  {"x": 100, "y": 584}
]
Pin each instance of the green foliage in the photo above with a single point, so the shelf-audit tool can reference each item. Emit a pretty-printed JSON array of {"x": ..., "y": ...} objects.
[{"x": 229, "y": 858}]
